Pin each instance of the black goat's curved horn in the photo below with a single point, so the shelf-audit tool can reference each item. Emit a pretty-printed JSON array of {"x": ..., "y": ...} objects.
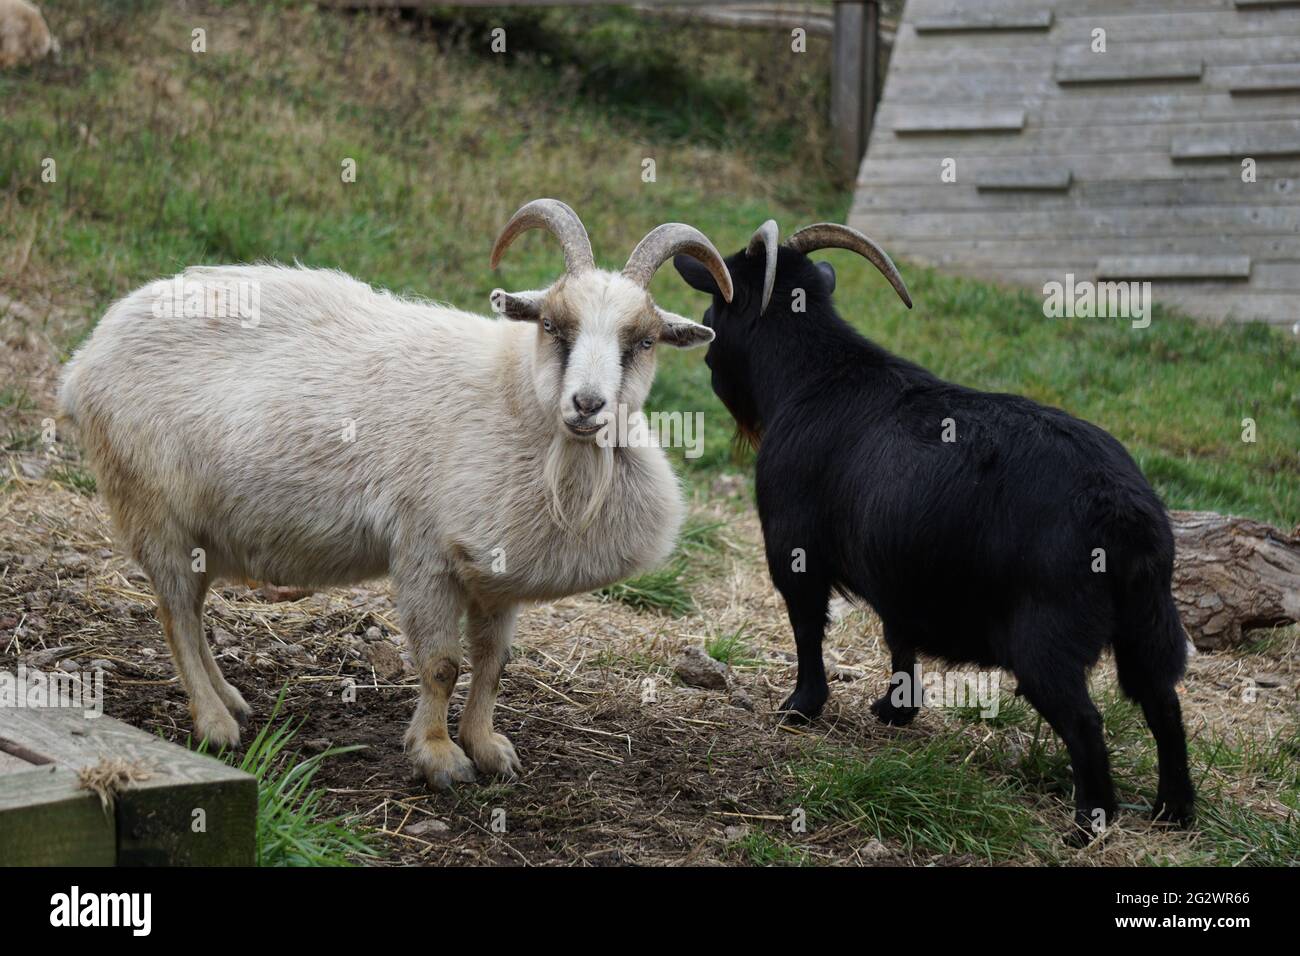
[
  {"x": 765, "y": 240},
  {"x": 830, "y": 235}
]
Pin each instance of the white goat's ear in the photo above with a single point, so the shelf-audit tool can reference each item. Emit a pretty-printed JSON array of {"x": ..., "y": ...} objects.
[
  {"x": 680, "y": 332},
  {"x": 520, "y": 306}
]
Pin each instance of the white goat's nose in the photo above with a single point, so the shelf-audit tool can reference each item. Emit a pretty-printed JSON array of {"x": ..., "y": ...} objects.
[{"x": 587, "y": 402}]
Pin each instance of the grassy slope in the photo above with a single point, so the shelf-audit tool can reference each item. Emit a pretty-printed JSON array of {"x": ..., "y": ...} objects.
[{"x": 167, "y": 159}]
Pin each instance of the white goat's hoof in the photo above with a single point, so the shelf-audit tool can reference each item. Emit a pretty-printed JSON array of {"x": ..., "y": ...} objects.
[
  {"x": 218, "y": 728},
  {"x": 236, "y": 704},
  {"x": 442, "y": 764},
  {"x": 494, "y": 756}
]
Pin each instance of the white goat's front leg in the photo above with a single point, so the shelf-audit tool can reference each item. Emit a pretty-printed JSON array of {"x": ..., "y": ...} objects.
[
  {"x": 490, "y": 634},
  {"x": 430, "y": 612}
]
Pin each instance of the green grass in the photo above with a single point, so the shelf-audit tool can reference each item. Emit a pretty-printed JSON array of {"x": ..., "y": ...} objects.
[
  {"x": 730, "y": 649},
  {"x": 662, "y": 590},
  {"x": 763, "y": 849},
  {"x": 1230, "y": 834},
  {"x": 167, "y": 158},
  {"x": 74, "y": 477},
  {"x": 922, "y": 794},
  {"x": 292, "y": 828}
]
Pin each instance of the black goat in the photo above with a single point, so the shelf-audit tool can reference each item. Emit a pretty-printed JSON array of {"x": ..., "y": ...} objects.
[{"x": 977, "y": 525}]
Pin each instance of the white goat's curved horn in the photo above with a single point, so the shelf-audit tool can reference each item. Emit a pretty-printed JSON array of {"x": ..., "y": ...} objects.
[
  {"x": 764, "y": 240},
  {"x": 558, "y": 219},
  {"x": 830, "y": 235},
  {"x": 663, "y": 242}
]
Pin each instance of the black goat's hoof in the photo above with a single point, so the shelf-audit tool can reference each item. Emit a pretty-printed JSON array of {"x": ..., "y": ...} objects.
[
  {"x": 800, "y": 709},
  {"x": 890, "y": 715},
  {"x": 1179, "y": 813},
  {"x": 1089, "y": 824}
]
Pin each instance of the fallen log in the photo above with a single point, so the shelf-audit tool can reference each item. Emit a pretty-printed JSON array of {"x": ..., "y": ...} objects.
[{"x": 1231, "y": 575}]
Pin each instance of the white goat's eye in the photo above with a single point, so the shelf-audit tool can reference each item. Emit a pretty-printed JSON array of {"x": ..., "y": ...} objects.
[
  {"x": 548, "y": 326},
  {"x": 647, "y": 343}
]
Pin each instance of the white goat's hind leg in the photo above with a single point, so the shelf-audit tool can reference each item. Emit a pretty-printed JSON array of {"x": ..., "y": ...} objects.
[
  {"x": 180, "y": 596},
  {"x": 429, "y": 606},
  {"x": 489, "y": 636},
  {"x": 232, "y": 698}
]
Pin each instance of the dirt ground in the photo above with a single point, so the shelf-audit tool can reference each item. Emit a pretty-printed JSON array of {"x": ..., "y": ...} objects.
[{"x": 611, "y": 776}]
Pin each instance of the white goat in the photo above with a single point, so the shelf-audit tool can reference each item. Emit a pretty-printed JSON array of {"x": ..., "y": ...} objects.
[
  {"x": 332, "y": 433},
  {"x": 24, "y": 37}
]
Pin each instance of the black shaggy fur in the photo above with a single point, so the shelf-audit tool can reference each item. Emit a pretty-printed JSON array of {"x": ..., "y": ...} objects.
[{"x": 975, "y": 550}]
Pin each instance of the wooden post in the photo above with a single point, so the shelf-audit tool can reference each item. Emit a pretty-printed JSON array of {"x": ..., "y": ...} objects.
[{"x": 854, "y": 84}]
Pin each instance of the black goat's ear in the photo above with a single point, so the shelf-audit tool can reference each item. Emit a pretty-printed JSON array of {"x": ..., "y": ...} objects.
[
  {"x": 828, "y": 276},
  {"x": 520, "y": 306},
  {"x": 696, "y": 275}
]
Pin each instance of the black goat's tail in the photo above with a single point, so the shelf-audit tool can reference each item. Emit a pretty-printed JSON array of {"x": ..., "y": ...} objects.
[{"x": 1149, "y": 642}]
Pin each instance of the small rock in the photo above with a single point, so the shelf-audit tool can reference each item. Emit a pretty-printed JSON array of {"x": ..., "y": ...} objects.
[
  {"x": 740, "y": 698},
  {"x": 34, "y": 468},
  {"x": 69, "y": 665},
  {"x": 72, "y": 560},
  {"x": 223, "y": 638},
  {"x": 374, "y": 634},
  {"x": 697, "y": 669},
  {"x": 430, "y": 827},
  {"x": 842, "y": 672},
  {"x": 316, "y": 745},
  {"x": 386, "y": 660},
  {"x": 1270, "y": 680},
  {"x": 46, "y": 657},
  {"x": 101, "y": 664},
  {"x": 874, "y": 850},
  {"x": 734, "y": 833}
]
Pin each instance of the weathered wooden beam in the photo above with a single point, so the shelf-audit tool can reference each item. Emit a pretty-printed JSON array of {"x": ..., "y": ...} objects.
[
  {"x": 46, "y": 819},
  {"x": 961, "y": 119},
  {"x": 1260, "y": 79},
  {"x": 1108, "y": 68},
  {"x": 816, "y": 21},
  {"x": 1210, "y": 146},
  {"x": 1173, "y": 267},
  {"x": 444, "y": 4},
  {"x": 963, "y": 21},
  {"x": 1032, "y": 178},
  {"x": 852, "y": 92},
  {"x": 188, "y": 809}
]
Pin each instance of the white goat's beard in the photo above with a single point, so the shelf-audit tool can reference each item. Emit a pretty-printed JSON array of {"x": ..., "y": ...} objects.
[{"x": 576, "y": 472}]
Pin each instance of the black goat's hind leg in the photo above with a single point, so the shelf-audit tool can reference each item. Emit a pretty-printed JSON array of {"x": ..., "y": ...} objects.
[
  {"x": 902, "y": 701},
  {"x": 1064, "y": 703},
  {"x": 1174, "y": 796},
  {"x": 808, "y": 618}
]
